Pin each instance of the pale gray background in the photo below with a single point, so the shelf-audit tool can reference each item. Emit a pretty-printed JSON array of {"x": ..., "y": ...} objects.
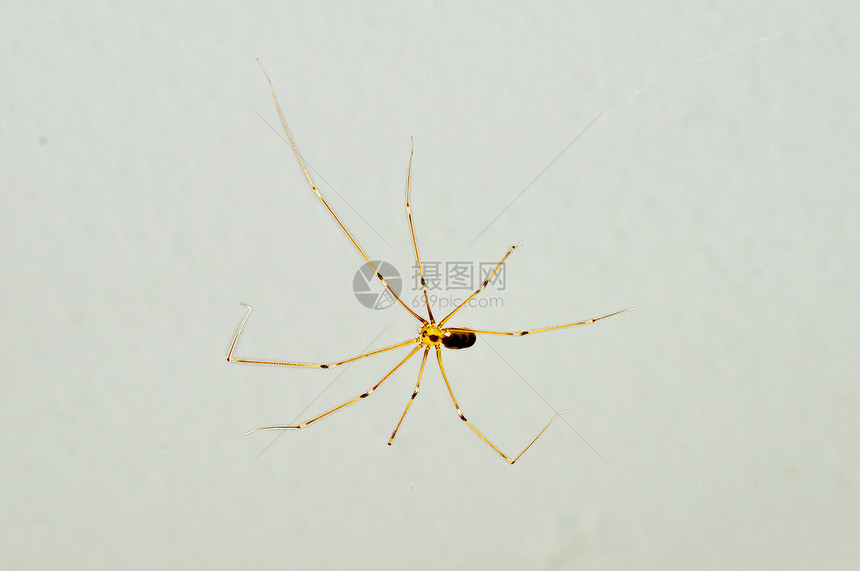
[{"x": 144, "y": 195}]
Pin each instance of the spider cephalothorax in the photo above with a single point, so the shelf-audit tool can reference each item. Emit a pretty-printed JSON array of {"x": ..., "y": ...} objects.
[{"x": 432, "y": 335}]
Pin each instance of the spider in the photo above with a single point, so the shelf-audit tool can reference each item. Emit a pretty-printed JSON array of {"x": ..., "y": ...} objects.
[{"x": 432, "y": 334}]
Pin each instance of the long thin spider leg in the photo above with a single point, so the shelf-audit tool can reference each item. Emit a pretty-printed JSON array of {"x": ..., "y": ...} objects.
[
  {"x": 478, "y": 432},
  {"x": 347, "y": 403},
  {"x": 231, "y": 359},
  {"x": 520, "y": 333},
  {"x": 483, "y": 284},
  {"x": 412, "y": 230},
  {"x": 414, "y": 394},
  {"x": 325, "y": 203}
]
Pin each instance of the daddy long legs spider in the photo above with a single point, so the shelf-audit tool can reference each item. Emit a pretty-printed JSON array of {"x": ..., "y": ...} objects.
[{"x": 432, "y": 334}]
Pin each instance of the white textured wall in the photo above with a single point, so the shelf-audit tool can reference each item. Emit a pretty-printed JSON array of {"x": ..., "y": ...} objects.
[{"x": 143, "y": 194}]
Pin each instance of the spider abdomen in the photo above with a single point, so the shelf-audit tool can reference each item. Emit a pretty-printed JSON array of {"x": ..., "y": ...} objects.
[{"x": 458, "y": 339}]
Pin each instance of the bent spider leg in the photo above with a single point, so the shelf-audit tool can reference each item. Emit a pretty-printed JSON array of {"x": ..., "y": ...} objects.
[
  {"x": 231, "y": 359},
  {"x": 483, "y": 284},
  {"x": 521, "y": 333},
  {"x": 414, "y": 394},
  {"x": 365, "y": 394},
  {"x": 325, "y": 203},
  {"x": 412, "y": 231},
  {"x": 478, "y": 432}
]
